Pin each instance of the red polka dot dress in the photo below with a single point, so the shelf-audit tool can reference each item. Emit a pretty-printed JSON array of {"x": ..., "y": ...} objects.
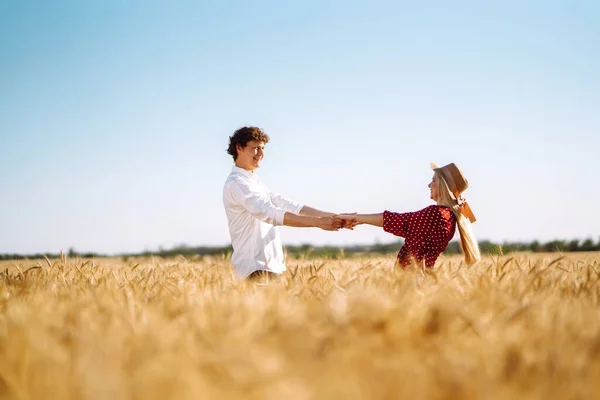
[{"x": 426, "y": 233}]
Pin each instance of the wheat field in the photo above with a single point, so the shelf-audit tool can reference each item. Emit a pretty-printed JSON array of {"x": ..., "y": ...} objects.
[{"x": 513, "y": 326}]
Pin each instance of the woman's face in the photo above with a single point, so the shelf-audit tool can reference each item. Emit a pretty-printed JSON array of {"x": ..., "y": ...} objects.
[{"x": 433, "y": 188}]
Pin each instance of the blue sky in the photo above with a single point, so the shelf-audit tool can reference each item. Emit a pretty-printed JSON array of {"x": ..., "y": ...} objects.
[{"x": 115, "y": 116}]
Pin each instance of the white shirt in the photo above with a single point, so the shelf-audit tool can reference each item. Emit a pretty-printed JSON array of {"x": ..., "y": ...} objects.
[{"x": 253, "y": 213}]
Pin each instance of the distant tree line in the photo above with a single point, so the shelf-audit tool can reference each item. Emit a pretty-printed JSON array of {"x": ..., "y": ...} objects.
[{"x": 307, "y": 250}]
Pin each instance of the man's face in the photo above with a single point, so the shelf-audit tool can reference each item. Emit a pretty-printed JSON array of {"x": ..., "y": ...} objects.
[{"x": 249, "y": 157}]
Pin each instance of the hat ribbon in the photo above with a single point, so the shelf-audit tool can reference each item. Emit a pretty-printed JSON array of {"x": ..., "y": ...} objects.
[{"x": 465, "y": 209}]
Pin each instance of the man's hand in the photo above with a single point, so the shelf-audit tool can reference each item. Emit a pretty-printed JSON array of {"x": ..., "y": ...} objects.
[{"x": 332, "y": 223}]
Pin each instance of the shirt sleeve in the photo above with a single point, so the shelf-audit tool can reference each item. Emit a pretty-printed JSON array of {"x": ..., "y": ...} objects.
[
  {"x": 287, "y": 204},
  {"x": 256, "y": 203}
]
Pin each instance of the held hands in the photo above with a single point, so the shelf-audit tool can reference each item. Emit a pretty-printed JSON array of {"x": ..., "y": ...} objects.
[
  {"x": 349, "y": 220},
  {"x": 336, "y": 222},
  {"x": 331, "y": 223}
]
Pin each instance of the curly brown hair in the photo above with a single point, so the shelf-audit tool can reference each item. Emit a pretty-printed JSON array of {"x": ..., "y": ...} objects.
[{"x": 244, "y": 135}]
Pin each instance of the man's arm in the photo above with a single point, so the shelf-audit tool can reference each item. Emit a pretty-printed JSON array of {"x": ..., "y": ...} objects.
[
  {"x": 328, "y": 223},
  {"x": 261, "y": 208},
  {"x": 241, "y": 194},
  {"x": 313, "y": 212},
  {"x": 290, "y": 205},
  {"x": 285, "y": 203},
  {"x": 347, "y": 223}
]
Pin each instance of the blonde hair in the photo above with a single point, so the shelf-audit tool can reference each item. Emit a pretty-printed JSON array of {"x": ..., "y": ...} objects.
[{"x": 468, "y": 243}]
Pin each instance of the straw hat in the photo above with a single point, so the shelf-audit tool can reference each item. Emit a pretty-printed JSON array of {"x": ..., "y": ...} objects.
[{"x": 457, "y": 183}]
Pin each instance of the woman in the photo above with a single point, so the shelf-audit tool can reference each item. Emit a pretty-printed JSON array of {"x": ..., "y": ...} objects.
[{"x": 428, "y": 231}]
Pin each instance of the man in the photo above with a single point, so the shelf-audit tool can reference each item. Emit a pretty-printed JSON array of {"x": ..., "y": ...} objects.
[{"x": 254, "y": 212}]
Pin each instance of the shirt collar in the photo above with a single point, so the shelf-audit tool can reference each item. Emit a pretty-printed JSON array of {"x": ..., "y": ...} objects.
[{"x": 242, "y": 171}]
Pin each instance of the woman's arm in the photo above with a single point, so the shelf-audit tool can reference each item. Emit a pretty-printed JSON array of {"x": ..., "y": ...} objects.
[{"x": 369, "y": 219}]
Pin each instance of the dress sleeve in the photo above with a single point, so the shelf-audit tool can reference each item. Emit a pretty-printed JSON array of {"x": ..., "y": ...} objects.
[
  {"x": 256, "y": 203},
  {"x": 415, "y": 224},
  {"x": 396, "y": 223}
]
